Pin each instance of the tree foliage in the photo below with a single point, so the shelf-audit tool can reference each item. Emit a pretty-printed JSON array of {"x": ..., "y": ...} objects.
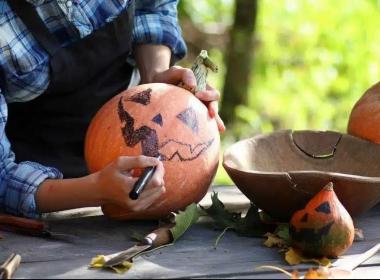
[{"x": 313, "y": 59}]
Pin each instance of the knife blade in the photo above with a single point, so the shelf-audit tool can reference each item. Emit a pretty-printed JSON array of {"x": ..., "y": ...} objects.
[{"x": 160, "y": 237}]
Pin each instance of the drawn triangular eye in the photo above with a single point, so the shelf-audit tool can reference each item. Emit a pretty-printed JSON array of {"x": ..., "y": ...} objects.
[
  {"x": 324, "y": 208},
  {"x": 189, "y": 118},
  {"x": 158, "y": 120},
  {"x": 141, "y": 97}
]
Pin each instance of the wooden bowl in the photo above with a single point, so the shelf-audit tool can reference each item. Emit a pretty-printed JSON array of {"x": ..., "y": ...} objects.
[{"x": 282, "y": 171}]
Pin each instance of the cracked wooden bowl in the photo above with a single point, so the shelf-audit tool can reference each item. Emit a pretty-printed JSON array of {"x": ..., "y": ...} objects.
[{"x": 282, "y": 171}]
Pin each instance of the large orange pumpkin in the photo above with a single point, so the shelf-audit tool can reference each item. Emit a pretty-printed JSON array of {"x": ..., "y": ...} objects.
[
  {"x": 364, "y": 120},
  {"x": 158, "y": 119}
]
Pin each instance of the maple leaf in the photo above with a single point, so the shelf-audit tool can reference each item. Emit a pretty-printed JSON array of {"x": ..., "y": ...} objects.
[
  {"x": 293, "y": 258},
  {"x": 249, "y": 225},
  {"x": 320, "y": 273},
  {"x": 275, "y": 241}
]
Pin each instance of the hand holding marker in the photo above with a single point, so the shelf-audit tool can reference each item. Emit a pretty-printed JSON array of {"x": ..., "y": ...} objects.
[{"x": 143, "y": 181}]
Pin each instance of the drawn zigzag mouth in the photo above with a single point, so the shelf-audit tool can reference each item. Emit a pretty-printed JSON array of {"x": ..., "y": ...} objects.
[{"x": 173, "y": 149}]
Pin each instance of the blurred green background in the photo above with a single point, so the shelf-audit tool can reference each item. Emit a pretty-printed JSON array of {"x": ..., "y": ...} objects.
[{"x": 285, "y": 64}]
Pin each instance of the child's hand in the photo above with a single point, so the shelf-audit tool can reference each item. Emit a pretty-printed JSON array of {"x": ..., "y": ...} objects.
[
  {"x": 115, "y": 182},
  {"x": 176, "y": 74}
]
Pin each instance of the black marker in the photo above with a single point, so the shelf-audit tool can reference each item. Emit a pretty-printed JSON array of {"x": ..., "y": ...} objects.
[{"x": 142, "y": 182}]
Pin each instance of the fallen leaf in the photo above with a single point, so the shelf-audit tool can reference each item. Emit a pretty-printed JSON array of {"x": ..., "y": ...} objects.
[
  {"x": 295, "y": 275},
  {"x": 283, "y": 232},
  {"x": 184, "y": 220},
  {"x": 321, "y": 273},
  {"x": 249, "y": 225},
  {"x": 292, "y": 257},
  {"x": 274, "y": 241},
  {"x": 99, "y": 263}
]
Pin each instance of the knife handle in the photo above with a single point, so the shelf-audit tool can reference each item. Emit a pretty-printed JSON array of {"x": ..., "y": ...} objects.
[
  {"x": 18, "y": 224},
  {"x": 10, "y": 266},
  {"x": 160, "y": 237}
]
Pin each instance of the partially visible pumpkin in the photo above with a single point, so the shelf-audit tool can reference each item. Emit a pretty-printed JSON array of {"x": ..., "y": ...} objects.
[
  {"x": 157, "y": 120},
  {"x": 364, "y": 120},
  {"x": 324, "y": 228}
]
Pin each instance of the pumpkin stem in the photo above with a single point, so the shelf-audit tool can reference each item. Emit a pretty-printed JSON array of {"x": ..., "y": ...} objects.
[
  {"x": 329, "y": 187},
  {"x": 200, "y": 68}
]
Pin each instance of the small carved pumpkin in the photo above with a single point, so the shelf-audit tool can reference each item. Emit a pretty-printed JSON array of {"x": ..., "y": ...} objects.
[
  {"x": 364, "y": 120},
  {"x": 158, "y": 120},
  {"x": 324, "y": 228}
]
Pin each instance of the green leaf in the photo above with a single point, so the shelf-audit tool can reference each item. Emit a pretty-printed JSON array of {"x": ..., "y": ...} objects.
[
  {"x": 282, "y": 231},
  {"x": 250, "y": 225},
  {"x": 184, "y": 220}
]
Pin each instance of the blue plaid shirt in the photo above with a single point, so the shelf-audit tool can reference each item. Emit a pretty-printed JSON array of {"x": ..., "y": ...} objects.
[{"x": 26, "y": 71}]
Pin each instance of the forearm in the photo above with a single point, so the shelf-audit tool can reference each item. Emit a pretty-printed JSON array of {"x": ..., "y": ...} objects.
[
  {"x": 151, "y": 60},
  {"x": 64, "y": 194}
]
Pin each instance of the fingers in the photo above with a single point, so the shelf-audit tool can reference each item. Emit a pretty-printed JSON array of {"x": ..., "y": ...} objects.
[
  {"x": 212, "y": 96},
  {"x": 213, "y": 110},
  {"x": 147, "y": 199},
  {"x": 208, "y": 96},
  {"x": 188, "y": 78},
  {"x": 152, "y": 192},
  {"x": 157, "y": 179},
  {"x": 220, "y": 123},
  {"x": 125, "y": 163},
  {"x": 177, "y": 74}
]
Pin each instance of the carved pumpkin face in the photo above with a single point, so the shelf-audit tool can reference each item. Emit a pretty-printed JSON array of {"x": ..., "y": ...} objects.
[{"x": 158, "y": 120}]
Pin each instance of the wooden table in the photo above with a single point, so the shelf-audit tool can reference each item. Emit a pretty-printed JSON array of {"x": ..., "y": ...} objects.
[{"x": 194, "y": 256}]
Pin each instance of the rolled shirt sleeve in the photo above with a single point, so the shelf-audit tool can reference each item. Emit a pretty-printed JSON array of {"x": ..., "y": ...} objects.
[
  {"x": 19, "y": 182},
  {"x": 156, "y": 22}
]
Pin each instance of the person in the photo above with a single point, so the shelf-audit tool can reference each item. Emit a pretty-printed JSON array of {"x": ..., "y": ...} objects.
[{"x": 60, "y": 61}]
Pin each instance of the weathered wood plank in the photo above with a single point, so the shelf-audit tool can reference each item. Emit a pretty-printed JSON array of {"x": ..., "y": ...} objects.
[{"x": 193, "y": 256}]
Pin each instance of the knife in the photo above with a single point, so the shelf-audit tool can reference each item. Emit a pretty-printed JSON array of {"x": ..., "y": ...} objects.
[
  {"x": 29, "y": 227},
  {"x": 160, "y": 237},
  {"x": 23, "y": 225},
  {"x": 10, "y": 266}
]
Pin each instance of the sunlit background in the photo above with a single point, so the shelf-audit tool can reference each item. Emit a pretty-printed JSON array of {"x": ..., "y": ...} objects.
[{"x": 295, "y": 64}]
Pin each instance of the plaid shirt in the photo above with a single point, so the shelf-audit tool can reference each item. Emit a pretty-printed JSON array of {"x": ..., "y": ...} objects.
[
  {"x": 25, "y": 66},
  {"x": 19, "y": 182}
]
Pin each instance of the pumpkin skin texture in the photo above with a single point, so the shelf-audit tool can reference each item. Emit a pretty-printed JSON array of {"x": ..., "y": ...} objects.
[
  {"x": 324, "y": 228},
  {"x": 364, "y": 120},
  {"x": 157, "y": 120}
]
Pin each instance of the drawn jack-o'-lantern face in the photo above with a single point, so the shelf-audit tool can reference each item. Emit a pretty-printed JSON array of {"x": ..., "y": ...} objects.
[
  {"x": 312, "y": 224},
  {"x": 324, "y": 228},
  {"x": 158, "y": 120},
  {"x": 170, "y": 147}
]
